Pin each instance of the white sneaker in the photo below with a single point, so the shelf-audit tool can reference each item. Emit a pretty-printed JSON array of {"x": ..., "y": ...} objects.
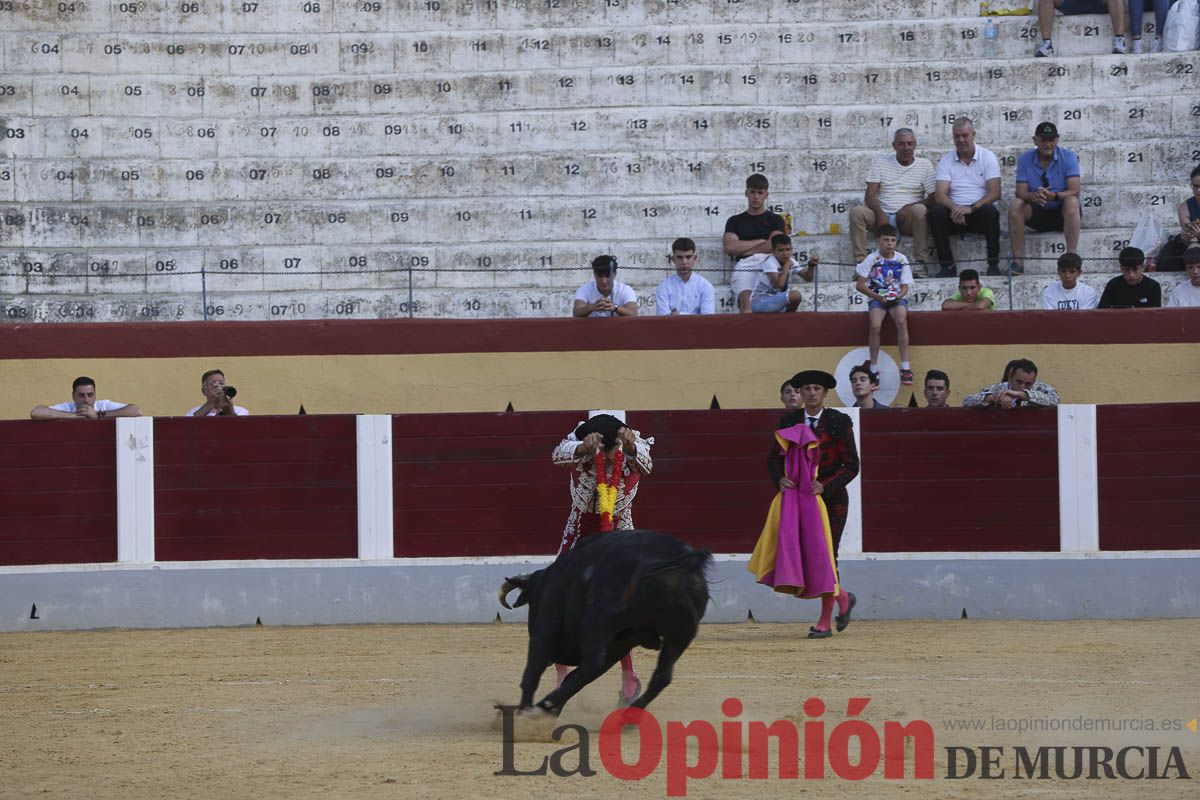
[
  {"x": 1046, "y": 48},
  {"x": 1118, "y": 46},
  {"x": 1137, "y": 47},
  {"x": 1156, "y": 45}
]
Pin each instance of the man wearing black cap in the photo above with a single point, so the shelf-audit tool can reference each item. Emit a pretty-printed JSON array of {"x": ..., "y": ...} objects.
[
  {"x": 838, "y": 466},
  {"x": 605, "y": 296},
  {"x": 1047, "y": 194}
]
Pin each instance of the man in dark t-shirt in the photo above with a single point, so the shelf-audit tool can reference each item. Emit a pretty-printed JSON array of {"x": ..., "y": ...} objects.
[
  {"x": 1131, "y": 289},
  {"x": 748, "y": 234}
]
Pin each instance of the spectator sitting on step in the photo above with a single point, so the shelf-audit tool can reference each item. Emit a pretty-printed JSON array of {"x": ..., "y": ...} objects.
[
  {"x": 864, "y": 382},
  {"x": 84, "y": 405},
  {"x": 1137, "y": 10},
  {"x": 1170, "y": 256},
  {"x": 1022, "y": 389},
  {"x": 1132, "y": 288},
  {"x": 218, "y": 398},
  {"x": 1045, "y": 13},
  {"x": 971, "y": 296},
  {"x": 937, "y": 389},
  {"x": 750, "y": 234},
  {"x": 604, "y": 295},
  {"x": 771, "y": 293},
  {"x": 1069, "y": 294},
  {"x": 966, "y": 190},
  {"x": 884, "y": 277},
  {"x": 1187, "y": 294},
  {"x": 899, "y": 193},
  {"x": 684, "y": 292},
  {"x": 1053, "y": 202}
]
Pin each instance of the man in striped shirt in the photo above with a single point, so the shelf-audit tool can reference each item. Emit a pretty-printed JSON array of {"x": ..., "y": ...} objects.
[{"x": 899, "y": 191}]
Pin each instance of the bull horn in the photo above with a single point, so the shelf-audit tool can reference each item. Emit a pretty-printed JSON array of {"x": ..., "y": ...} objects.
[
  {"x": 504, "y": 590},
  {"x": 509, "y": 585}
]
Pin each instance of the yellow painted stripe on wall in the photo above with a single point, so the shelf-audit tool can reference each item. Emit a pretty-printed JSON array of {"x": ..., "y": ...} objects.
[{"x": 644, "y": 379}]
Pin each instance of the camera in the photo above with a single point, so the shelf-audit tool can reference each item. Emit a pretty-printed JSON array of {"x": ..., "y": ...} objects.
[{"x": 230, "y": 392}]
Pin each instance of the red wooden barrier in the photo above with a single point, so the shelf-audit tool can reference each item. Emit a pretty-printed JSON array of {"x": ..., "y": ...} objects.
[
  {"x": 484, "y": 484},
  {"x": 1149, "y": 476},
  {"x": 478, "y": 484},
  {"x": 255, "y": 487},
  {"x": 710, "y": 485},
  {"x": 58, "y": 492},
  {"x": 960, "y": 479}
]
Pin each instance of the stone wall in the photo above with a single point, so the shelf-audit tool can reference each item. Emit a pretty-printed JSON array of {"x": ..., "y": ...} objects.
[{"x": 176, "y": 159}]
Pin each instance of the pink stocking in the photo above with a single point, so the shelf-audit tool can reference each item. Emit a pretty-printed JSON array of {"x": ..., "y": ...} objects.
[
  {"x": 843, "y": 601},
  {"x": 563, "y": 670},
  {"x": 629, "y": 678},
  {"x": 823, "y": 624}
]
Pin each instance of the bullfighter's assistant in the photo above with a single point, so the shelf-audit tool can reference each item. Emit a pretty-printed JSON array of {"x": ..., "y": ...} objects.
[{"x": 836, "y": 462}]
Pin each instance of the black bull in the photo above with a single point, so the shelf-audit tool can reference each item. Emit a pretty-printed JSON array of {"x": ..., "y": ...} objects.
[{"x": 597, "y": 601}]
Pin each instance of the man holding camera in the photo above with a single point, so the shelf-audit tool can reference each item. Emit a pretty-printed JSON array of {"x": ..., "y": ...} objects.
[{"x": 218, "y": 398}]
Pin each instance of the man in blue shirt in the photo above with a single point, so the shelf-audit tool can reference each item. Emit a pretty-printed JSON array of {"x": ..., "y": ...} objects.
[
  {"x": 1047, "y": 194},
  {"x": 684, "y": 292}
]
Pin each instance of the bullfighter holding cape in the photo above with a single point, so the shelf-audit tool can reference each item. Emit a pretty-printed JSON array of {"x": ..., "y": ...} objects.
[
  {"x": 812, "y": 460},
  {"x": 794, "y": 554}
]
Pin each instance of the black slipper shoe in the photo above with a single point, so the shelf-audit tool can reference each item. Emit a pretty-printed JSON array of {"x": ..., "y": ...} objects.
[
  {"x": 813, "y": 633},
  {"x": 842, "y": 620}
]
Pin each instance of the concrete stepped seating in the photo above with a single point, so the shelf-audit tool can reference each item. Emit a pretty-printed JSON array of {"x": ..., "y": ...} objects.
[
  {"x": 361, "y": 303},
  {"x": 275, "y": 159}
]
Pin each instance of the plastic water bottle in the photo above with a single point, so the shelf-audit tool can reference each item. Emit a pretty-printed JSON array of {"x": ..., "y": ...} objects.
[{"x": 991, "y": 35}]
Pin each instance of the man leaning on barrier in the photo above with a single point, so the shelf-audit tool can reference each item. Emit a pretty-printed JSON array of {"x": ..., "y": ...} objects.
[
  {"x": 604, "y": 295},
  {"x": 1021, "y": 390},
  {"x": 84, "y": 405}
]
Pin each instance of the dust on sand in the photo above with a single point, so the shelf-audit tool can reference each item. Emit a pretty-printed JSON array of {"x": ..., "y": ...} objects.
[{"x": 399, "y": 711}]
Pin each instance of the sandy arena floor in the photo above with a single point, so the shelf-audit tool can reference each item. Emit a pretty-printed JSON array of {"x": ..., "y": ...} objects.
[{"x": 406, "y": 711}]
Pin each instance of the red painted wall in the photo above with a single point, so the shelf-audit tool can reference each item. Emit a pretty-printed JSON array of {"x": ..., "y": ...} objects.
[
  {"x": 960, "y": 479},
  {"x": 478, "y": 484},
  {"x": 1149, "y": 464},
  {"x": 255, "y": 487},
  {"x": 484, "y": 484},
  {"x": 58, "y": 492}
]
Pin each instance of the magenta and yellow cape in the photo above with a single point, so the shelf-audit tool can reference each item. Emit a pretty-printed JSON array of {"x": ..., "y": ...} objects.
[{"x": 794, "y": 553}]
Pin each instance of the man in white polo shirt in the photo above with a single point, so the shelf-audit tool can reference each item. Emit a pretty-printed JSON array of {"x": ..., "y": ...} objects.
[
  {"x": 899, "y": 192},
  {"x": 605, "y": 296},
  {"x": 966, "y": 190},
  {"x": 84, "y": 405}
]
